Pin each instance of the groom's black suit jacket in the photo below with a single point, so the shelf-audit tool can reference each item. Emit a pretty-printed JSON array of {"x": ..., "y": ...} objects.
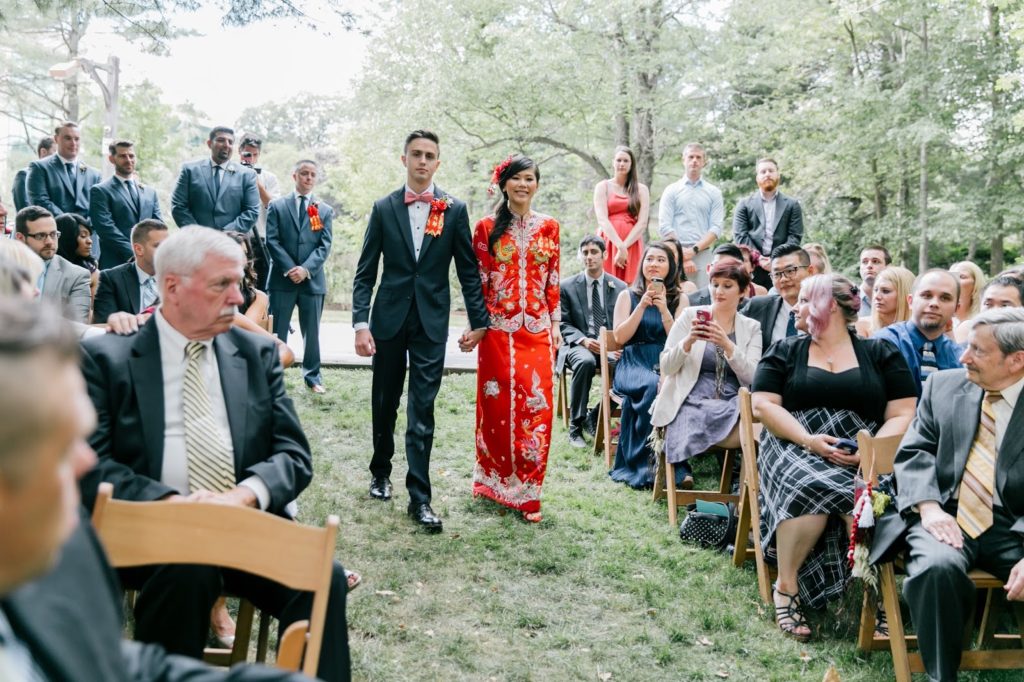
[{"x": 406, "y": 279}]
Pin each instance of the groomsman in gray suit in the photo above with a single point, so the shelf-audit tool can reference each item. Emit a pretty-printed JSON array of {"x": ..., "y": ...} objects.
[
  {"x": 118, "y": 203},
  {"x": 215, "y": 192},
  {"x": 767, "y": 219},
  {"x": 63, "y": 282},
  {"x": 61, "y": 183},
  {"x": 299, "y": 241}
]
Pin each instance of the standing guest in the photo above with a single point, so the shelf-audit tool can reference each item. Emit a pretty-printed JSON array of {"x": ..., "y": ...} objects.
[
  {"x": 960, "y": 488},
  {"x": 922, "y": 339},
  {"x": 249, "y": 151},
  {"x": 791, "y": 265},
  {"x": 767, "y": 219},
  {"x": 119, "y": 203},
  {"x": 299, "y": 240},
  {"x": 722, "y": 253},
  {"x": 19, "y": 190},
  {"x": 215, "y": 192},
  {"x": 890, "y": 300},
  {"x": 749, "y": 259},
  {"x": 75, "y": 246},
  {"x": 419, "y": 230},
  {"x": 622, "y": 205},
  {"x": 873, "y": 259},
  {"x": 1003, "y": 291},
  {"x": 517, "y": 249},
  {"x": 819, "y": 258},
  {"x": 704, "y": 364},
  {"x": 189, "y": 407},
  {"x": 972, "y": 281},
  {"x": 644, "y": 314},
  {"x": 61, "y": 183},
  {"x": 691, "y": 212},
  {"x": 810, "y": 391},
  {"x": 130, "y": 289},
  {"x": 588, "y": 304},
  {"x": 67, "y": 285}
]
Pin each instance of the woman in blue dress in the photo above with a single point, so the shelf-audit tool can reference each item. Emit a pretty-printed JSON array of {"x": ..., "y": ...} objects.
[{"x": 644, "y": 314}]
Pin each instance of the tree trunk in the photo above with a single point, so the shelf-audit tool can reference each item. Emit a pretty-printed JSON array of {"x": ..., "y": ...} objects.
[
  {"x": 922, "y": 258},
  {"x": 879, "y": 192},
  {"x": 996, "y": 263},
  {"x": 972, "y": 248}
]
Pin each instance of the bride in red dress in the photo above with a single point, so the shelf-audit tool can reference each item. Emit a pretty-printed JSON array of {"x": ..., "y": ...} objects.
[{"x": 517, "y": 249}]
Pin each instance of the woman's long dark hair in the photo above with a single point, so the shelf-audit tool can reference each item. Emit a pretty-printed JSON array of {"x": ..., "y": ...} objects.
[
  {"x": 632, "y": 183},
  {"x": 502, "y": 213},
  {"x": 639, "y": 287},
  {"x": 68, "y": 225},
  {"x": 248, "y": 283},
  {"x": 679, "y": 259}
]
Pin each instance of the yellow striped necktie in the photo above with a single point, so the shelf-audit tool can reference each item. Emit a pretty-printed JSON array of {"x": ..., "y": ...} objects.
[
  {"x": 211, "y": 461},
  {"x": 974, "y": 512}
]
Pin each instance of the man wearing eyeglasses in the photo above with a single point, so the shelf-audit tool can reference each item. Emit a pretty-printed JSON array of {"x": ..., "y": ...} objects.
[
  {"x": 791, "y": 265},
  {"x": 61, "y": 281}
]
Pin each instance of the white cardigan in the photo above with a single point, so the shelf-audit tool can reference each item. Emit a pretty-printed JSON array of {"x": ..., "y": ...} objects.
[{"x": 679, "y": 369}]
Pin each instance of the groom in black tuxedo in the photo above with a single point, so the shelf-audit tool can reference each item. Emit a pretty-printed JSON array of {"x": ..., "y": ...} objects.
[{"x": 410, "y": 315}]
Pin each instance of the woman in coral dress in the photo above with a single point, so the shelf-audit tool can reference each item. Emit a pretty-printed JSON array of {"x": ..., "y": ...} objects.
[
  {"x": 622, "y": 206},
  {"x": 517, "y": 249}
]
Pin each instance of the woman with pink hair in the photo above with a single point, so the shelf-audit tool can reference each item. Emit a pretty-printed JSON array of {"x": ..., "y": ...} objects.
[{"x": 810, "y": 391}]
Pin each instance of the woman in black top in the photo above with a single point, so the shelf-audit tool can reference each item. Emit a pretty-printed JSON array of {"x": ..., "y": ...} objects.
[
  {"x": 75, "y": 245},
  {"x": 809, "y": 391}
]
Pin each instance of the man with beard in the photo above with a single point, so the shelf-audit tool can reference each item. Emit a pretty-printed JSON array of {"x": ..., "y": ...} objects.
[
  {"x": 922, "y": 339},
  {"x": 767, "y": 219},
  {"x": 118, "y": 203},
  {"x": 873, "y": 259},
  {"x": 215, "y": 192},
  {"x": 62, "y": 282}
]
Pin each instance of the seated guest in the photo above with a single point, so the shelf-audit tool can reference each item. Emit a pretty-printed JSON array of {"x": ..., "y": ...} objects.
[
  {"x": 130, "y": 288},
  {"x": 75, "y": 246},
  {"x": 67, "y": 285},
  {"x": 819, "y": 258},
  {"x": 776, "y": 312},
  {"x": 754, "y": 289},
  {"x": 643, "y": 317},
  {"x": 922, "y": 339},
  {"x": 972, "y": 281},
  {"x": 18, "y": 254},
  {"x": 810, "y": 391},
  {"x": 253, "y": 313},
  {"x": 685, "y": 285},
  {"x": 890, "y": 300},
  {"x": 190, "y": 407},
  {"x": 588, "y": 304},
  {"x": 1003, "y": 291},
  {"x": 60, "y": 606},
  {"x": 703, "y": 366},
  {"x": 727, "y": 252},
  {"x": 960, "y": 489},
  {"x": 15, "y": 280}
]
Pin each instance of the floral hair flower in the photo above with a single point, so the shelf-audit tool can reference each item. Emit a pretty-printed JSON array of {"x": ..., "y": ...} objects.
[{"x": 496, "y": 175}]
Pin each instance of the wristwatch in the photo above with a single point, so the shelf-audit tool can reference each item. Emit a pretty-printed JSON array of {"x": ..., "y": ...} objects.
[{"x": 696, "y": 249}]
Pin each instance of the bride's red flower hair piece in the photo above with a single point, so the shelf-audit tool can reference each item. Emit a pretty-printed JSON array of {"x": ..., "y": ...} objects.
[{"x": 496, "y": 175}]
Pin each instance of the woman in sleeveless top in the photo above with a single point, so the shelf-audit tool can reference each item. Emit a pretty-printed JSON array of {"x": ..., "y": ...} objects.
[{"x": 622, "y": 206}]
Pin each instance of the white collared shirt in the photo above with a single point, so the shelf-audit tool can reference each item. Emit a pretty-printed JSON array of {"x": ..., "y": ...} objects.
[
  {"x": 143, "y": 276},
  {"x": 1004, "y": 409},
  {"x": 418, "y": 213},
  {"x": 173, "y": 363},
  {"x": 769, "y": 222},
  {"x": 298, "y": 199},
  {"x": 590, "y": 288}
]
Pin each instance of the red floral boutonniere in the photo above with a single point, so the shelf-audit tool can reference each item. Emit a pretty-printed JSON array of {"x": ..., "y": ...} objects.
[
  {"x": 435, "y": 221},
  {"x": 313, "y": 210}
]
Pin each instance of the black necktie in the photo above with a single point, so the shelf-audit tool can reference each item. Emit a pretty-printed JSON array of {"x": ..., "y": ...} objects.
[
  {"x": 216, "y": 180},
  {"x": 791, "y": 324},
  {"x": 596, "y": 309},
  {"x": 69, "y": 168},
  {"x": 302, "y": 208},
  {"x": 133, "y": 193}
]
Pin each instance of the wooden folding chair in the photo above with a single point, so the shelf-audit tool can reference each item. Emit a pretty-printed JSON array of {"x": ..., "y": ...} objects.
[
  {"x": 876, "y": 458},
  {"x": 665, "y": 485},
  {"x": 152, "y": 533},
  {"x": 749, "y": 507},
  {"x": 610, "y": 406},
  {"x": 562, "y": 399}
]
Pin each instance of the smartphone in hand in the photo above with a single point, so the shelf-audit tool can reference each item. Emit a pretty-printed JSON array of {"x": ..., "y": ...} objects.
[
  {"x": 847, "y": 444},
  {"x": 658, "y": 284},
  {"x": 704, "y": 316}
]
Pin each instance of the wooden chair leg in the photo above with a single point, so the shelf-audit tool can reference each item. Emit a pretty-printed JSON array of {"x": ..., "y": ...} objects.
[
  {"x": 563, "y": 399},
  {"x": 897, "y": 633},
  {"x": 725, "y": 481},
  {"x": 670, "y": 485},
  {"x": 608, "y": 453},
  {"x": 866, "y": 631},
  {"x": 599, "y": 433},
  {"x": 263, "y": 638},
  {"x": 659, "y": 478},
  {"x": 987, "y": 626},
  {"x": 739, "y": 551},
  {"x": 243, "y": 631}
]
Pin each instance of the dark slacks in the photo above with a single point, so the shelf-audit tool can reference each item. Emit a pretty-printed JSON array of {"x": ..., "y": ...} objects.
[
  {"x": 941, "y": 596},
  {"x": 583, "y": 365},
  {"x": 425, "y": 360},
  {"x": 174, "y": 602},
  {"x": 311, "y": 308}
]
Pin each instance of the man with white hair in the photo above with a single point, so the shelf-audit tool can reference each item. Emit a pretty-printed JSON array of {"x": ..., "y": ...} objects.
[{"x": 191, "y": 407}]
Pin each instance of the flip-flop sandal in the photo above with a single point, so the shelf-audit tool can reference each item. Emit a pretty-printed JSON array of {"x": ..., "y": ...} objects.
[{"x": 789, "y": 617}]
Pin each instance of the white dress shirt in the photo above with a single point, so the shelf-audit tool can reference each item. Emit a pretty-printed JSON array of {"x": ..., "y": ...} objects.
[
  {"x": 143, "y": 276},
  {"x": 769, "y": 223},
  {"x": 418, "y": 213},
  {"x": 174, "y": 363}
]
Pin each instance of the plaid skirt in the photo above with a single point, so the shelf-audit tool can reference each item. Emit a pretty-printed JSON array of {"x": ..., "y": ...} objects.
[{"x": 795, "y": 482}]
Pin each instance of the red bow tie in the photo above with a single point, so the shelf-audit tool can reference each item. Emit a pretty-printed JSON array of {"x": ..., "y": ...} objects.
[{"x": 411, "y": 197}]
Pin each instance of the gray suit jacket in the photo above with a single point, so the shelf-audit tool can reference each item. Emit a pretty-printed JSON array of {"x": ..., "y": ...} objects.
[
  {"x": 292, "y": 244},
  {"x": 70, "y": 287},
  {"x": 748, "y": 222},
  {"x": 49, "y": 186},
  {"x": 195, "y": 202},
  {"x": 114, "y": 214},
  {"x": 575, "y": 304}
]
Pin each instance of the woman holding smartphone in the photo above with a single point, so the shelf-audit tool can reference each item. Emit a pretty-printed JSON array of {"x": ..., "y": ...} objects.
[
  {"x": 644, "y": 314},
  {"x": 711, "y": 351}
]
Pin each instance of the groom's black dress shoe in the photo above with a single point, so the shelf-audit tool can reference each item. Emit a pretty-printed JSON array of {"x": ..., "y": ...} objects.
[
  {"x": 380, "y": 488},
  {"x": 425, "y": 516}
]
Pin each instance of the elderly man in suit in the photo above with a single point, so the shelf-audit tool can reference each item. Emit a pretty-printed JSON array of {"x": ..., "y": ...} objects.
[
  {"x": 191, "y": 407},
  {"x": 129, "y": 289},
  {"x": 767, "y": 219},
  {"x": 215, "y": 192},
  {"x": 19, "y": 190},
  {"x": 299, "y": 240},
  {"x": 119, "y": 203},
  {"x": 961, "y": 488},
  {"x": 790, "y": 266},
  {"x": 410, "y": 315},
  {"x": 64, "y": 283},
  {"x": 588, "y": 306}
]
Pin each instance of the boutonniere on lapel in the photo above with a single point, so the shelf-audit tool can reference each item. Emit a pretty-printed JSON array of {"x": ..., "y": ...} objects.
[
  {"x": 611, "y": 286},
  {"x": 81, "y": 167},
  {"x": 231, "y": 168},
  {"x": 435, "y": 221},
  {"x": 313, "y": 210}
]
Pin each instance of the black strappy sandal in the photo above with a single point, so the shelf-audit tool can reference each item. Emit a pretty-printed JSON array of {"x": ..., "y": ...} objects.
[
  {"x": 791, "y": 612},
  {"x": 881, "y": 624}
]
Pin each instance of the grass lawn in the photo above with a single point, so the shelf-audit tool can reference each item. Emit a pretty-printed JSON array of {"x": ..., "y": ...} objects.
[{"x": 602, "y": 589}]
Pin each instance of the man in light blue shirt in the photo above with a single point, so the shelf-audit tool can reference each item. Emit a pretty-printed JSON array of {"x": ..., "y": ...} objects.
[{"x": 691, "y": 211}]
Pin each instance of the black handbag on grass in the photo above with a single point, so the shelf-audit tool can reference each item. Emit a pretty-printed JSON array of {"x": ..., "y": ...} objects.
[{"x": 711, "y": 525}]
